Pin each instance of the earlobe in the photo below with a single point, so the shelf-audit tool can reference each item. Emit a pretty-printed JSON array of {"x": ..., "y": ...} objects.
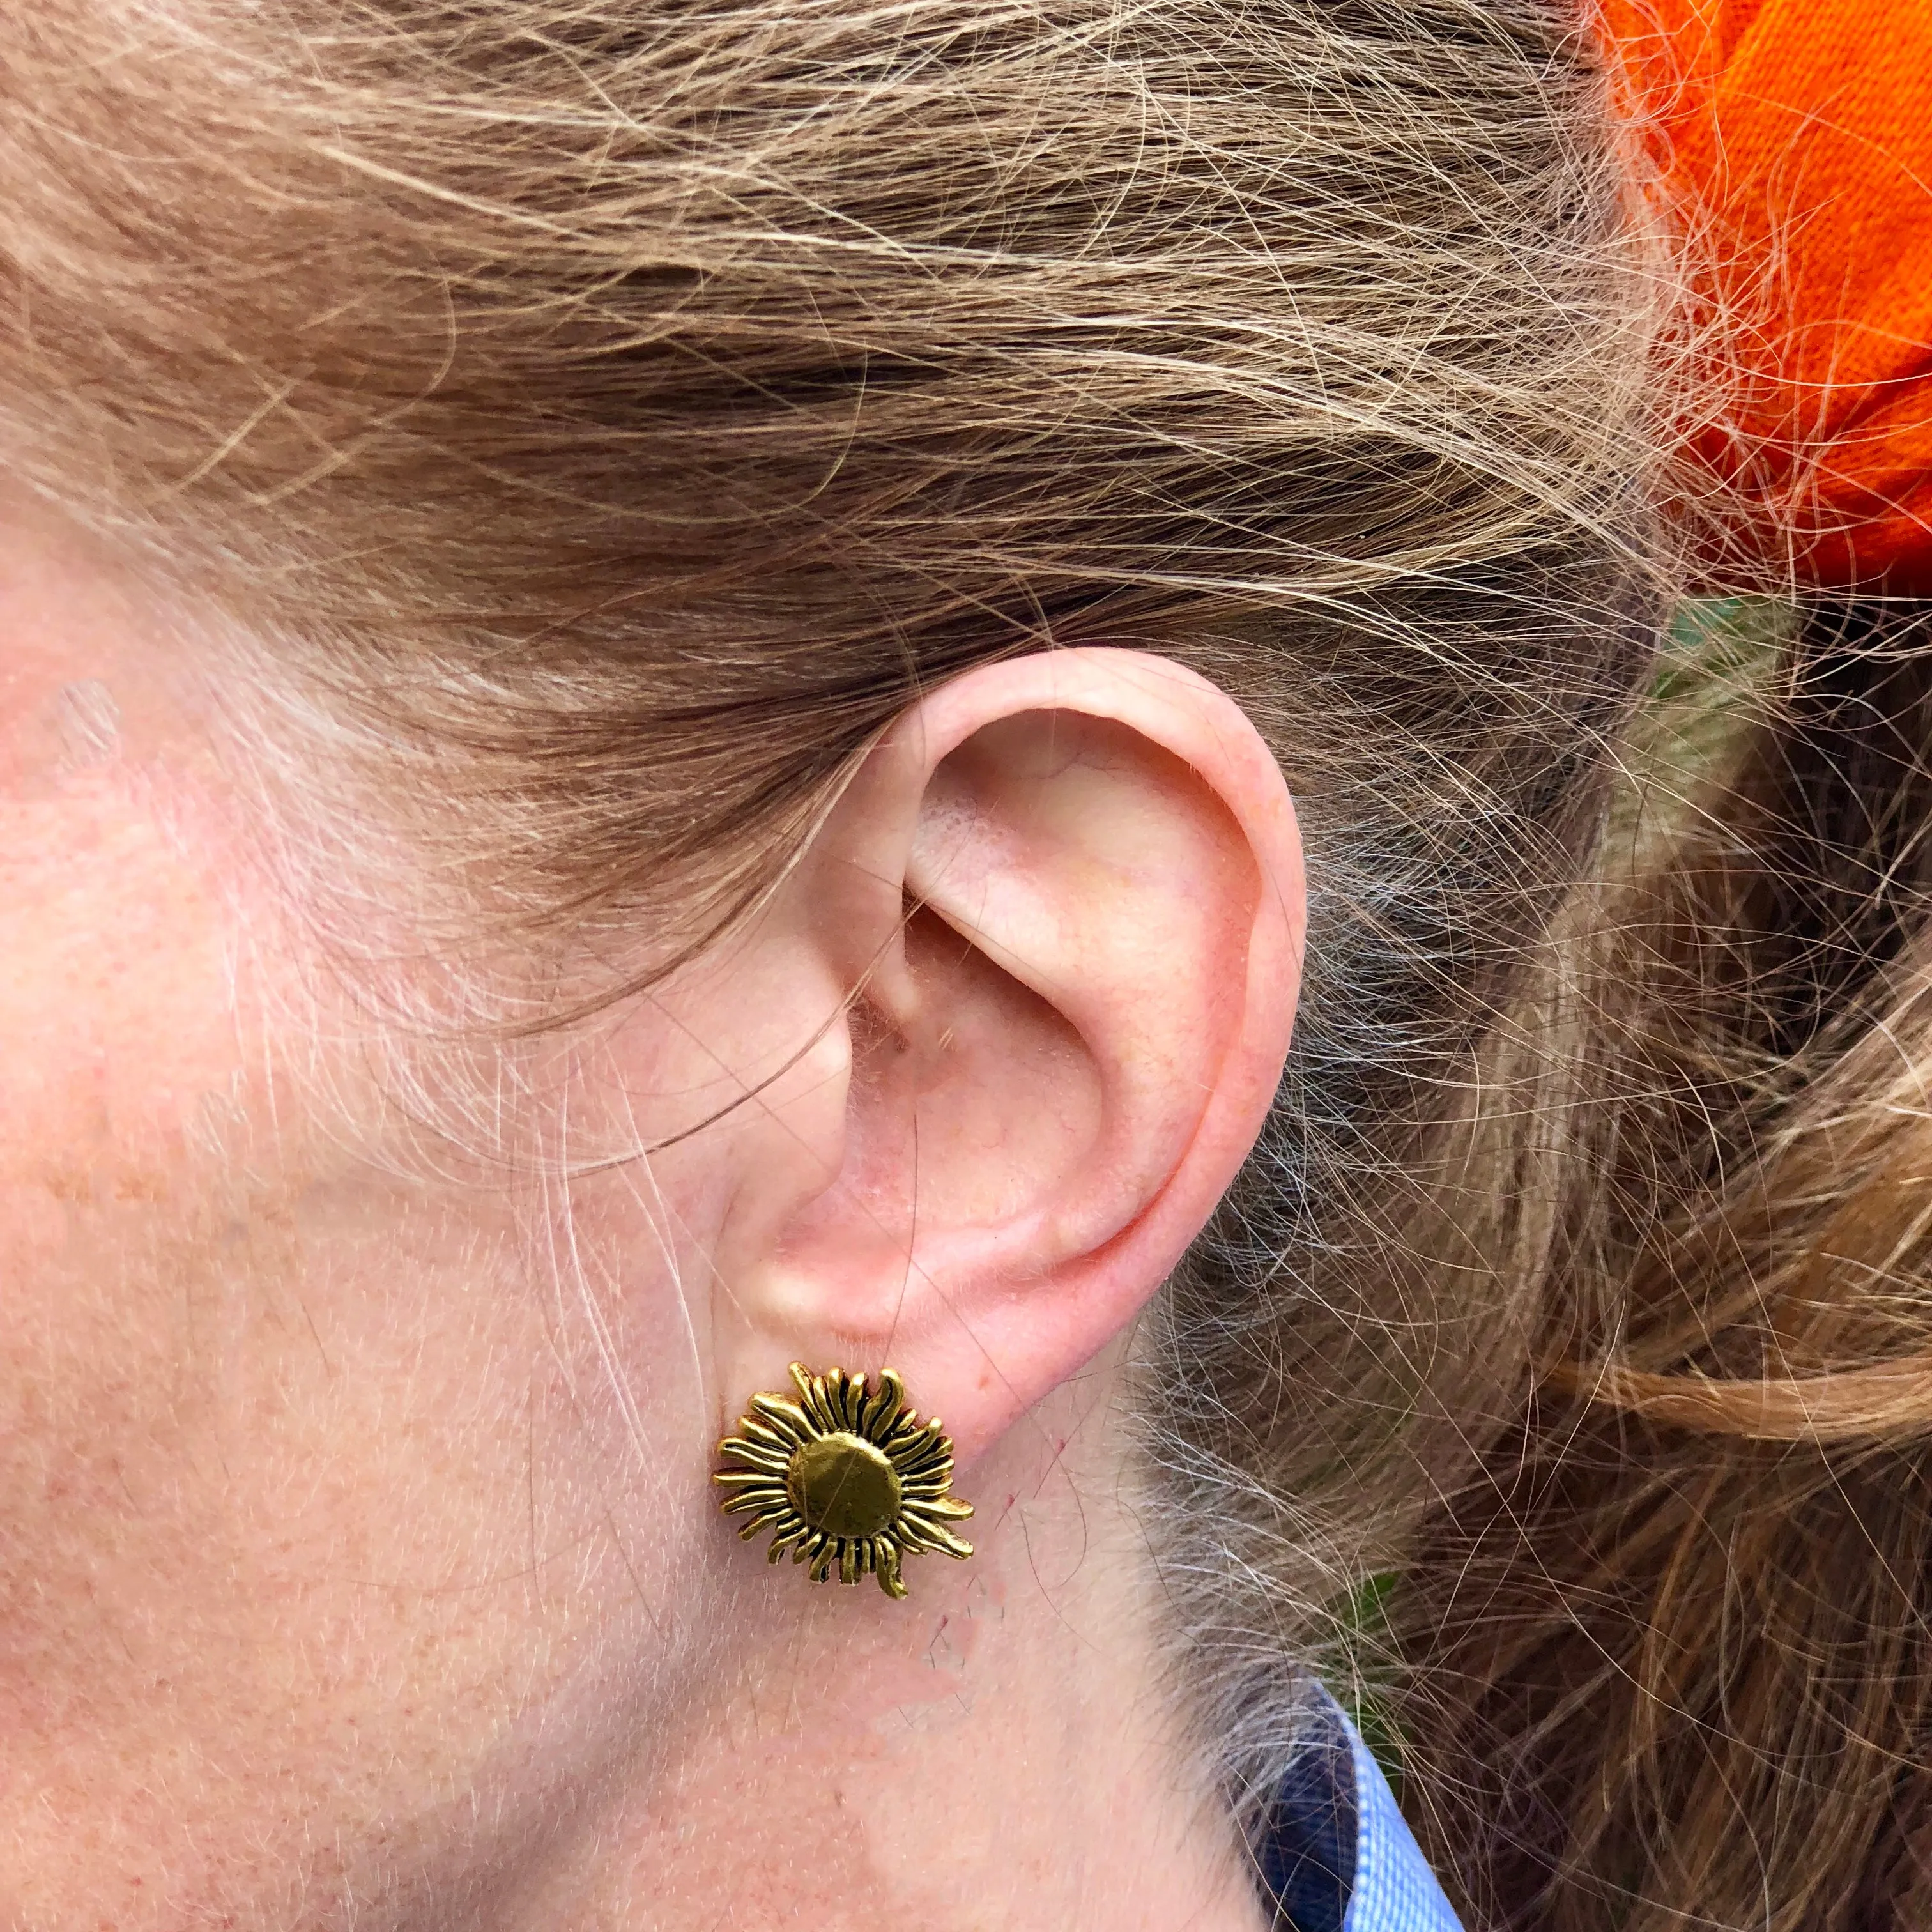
[{"x": 1070, "y": 887}]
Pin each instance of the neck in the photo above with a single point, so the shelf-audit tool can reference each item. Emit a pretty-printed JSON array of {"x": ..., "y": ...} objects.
[{"x": 996, "y": 1751}]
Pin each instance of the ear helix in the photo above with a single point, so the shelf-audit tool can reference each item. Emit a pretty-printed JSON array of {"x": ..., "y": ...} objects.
[{"x": 848, "y": 1477}]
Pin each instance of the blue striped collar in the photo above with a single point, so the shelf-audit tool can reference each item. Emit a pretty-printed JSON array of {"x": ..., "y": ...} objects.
[{"x": 1337, "y": 1856}]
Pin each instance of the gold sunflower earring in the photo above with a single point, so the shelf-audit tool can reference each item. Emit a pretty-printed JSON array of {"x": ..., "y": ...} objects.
[{"x": 848, "y": 1479}]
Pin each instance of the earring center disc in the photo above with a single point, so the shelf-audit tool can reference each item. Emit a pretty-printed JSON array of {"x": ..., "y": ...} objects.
[{"x": 843, "y": 1485}]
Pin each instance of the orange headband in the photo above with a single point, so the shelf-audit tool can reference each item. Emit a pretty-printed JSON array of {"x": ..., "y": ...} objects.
[{"x": 1796, "y": 136}]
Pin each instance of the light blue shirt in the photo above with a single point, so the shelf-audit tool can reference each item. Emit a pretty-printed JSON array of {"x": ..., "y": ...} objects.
[{"x": 1338, "y": 1857}]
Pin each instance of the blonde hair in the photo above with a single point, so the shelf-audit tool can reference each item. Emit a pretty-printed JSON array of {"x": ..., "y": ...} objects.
[{"x": 618, "y": 413}]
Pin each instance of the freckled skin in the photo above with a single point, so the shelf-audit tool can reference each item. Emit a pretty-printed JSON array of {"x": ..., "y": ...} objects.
[
  {"x": 294, "y": 1552},
  {"x": 358, "y": 1563}
]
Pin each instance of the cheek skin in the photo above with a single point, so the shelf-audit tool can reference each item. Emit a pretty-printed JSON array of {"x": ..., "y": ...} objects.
[
  {"x": 116, "y": 995},
  {"x": 296, "y": 1548},
  {"x": 202, "y": 1601}
]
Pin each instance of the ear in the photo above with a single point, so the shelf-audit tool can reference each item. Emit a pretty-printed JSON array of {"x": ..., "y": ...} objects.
[{"x": 1068, "y": 891}]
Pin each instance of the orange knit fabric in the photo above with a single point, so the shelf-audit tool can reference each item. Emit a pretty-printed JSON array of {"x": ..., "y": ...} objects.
[{"x": 1795, "y": 141}]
